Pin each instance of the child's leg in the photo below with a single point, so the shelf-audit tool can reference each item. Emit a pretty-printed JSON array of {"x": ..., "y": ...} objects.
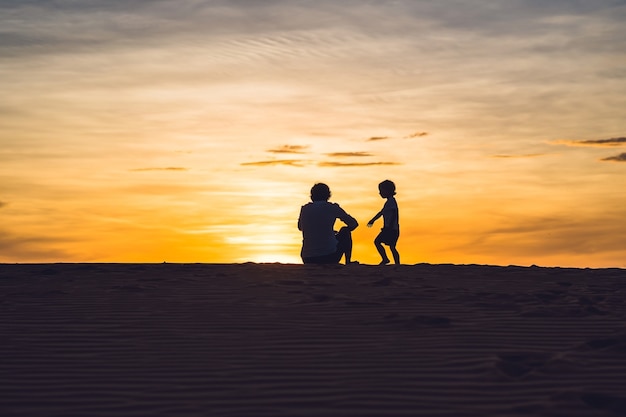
[
  {"x": 381, "y": 250},
  {"x": 396, "y": 255}
]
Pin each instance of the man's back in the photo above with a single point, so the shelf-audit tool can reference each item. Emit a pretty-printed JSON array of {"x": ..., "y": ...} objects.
[{"x": 316, "y": 222}]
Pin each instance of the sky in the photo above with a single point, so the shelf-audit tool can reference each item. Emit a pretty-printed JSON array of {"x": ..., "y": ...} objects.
[{"x": 193, "y": 130}]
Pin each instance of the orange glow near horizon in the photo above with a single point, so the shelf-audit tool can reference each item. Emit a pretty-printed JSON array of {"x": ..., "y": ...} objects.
[{"x": 194, "y": 133}]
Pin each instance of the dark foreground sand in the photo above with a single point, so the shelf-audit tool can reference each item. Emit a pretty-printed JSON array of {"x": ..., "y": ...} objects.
[{"x": 292, "y": 340}]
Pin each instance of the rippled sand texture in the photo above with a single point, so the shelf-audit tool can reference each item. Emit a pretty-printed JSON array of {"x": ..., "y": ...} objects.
[{"x": 293, "y": 340}]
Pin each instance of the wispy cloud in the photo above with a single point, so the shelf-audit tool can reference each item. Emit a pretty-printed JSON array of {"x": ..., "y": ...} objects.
[
  {"x": 162, "y": 189},
  {"x": 594, "y": 142},
  {"x": 617, "y": 158},
  {"x": 411, "y": 136},
  {"x": 289, "y": 149},
  {"x": 288, "y": 162},
  {"x": 159, "y": 169},
  {"x": 529, "y": 155},
  {"x": 535, "y": 237},
  {"x": 417, "y": 135},
  {"x": 18, "y": 246},
  {"x": 348, "y": 154},
  {"x": 354, "y": 164},
  {"x": 3, "y": 204}
]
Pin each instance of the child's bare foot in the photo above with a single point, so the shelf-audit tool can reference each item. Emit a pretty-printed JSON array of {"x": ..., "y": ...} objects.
[{"x": 384, "y": 262}]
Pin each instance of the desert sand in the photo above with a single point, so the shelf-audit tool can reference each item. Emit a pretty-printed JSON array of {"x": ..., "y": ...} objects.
[{"x": 295, "y": 340}]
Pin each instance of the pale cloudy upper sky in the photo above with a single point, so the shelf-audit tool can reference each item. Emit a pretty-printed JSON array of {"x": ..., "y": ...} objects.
[{"x": 193, "y": 130}]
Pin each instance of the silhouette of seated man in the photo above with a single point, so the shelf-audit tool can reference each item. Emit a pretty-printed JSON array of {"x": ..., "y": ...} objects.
[{"x": 320, "y": 243}]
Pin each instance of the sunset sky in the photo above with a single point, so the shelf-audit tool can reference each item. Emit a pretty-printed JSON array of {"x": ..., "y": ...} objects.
[{"x": 193, "y": 130}]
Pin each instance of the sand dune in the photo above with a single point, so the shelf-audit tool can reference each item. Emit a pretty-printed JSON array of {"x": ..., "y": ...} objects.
[{"x": 296, "y": 340}]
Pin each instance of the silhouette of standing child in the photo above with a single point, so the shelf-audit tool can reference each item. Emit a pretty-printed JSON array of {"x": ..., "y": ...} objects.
[{"x": 390, "y": 232}]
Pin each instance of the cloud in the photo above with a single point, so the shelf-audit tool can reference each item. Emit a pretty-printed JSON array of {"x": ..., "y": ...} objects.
[
  {"x": 617, "y": 158},
  {"x": 289, "y": 149},
  {"x": 24, "y": 248},
  {"x": 536, "y": 238},
  {"x": 348, "y": 154},
  {"x": 33, "y": 26},
  {"x": 594, "y": 142},
  {"x": 3, "y": 204},
  {"x": 275, "y": 28},
  {"x": 411, "y": 136},
  {"x": 417, "y": 135},
  {"x": 159, "y": 169},
  {"x": 288, "y": 162},
  {"x": 605, "y": 142},
  {"x": 162, "y": 189},
  {"x": 529, "y": 155},
  {"x": 354, "y": 164}
]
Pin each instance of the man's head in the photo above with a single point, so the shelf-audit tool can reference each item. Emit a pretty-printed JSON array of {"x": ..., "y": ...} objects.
[{"x": 320, "y": 192}]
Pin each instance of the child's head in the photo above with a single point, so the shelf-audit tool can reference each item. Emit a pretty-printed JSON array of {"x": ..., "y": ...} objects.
[
  {"x": 387, "y": 189},
  {"x": 320, "y": 192}
]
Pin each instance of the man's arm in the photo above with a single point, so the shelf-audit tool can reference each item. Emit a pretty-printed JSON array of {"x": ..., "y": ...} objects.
[
  {"x": 347, "y": 219},
  {"x": 351, "y": 223}
]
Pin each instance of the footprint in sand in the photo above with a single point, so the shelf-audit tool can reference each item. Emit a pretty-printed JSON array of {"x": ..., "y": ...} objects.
[
  {"x": 614, "y": 404},
  {"x": 605, "y": 402},
  {"x": 614, "y": 344},
  {"x": 517, "y": 365}
]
